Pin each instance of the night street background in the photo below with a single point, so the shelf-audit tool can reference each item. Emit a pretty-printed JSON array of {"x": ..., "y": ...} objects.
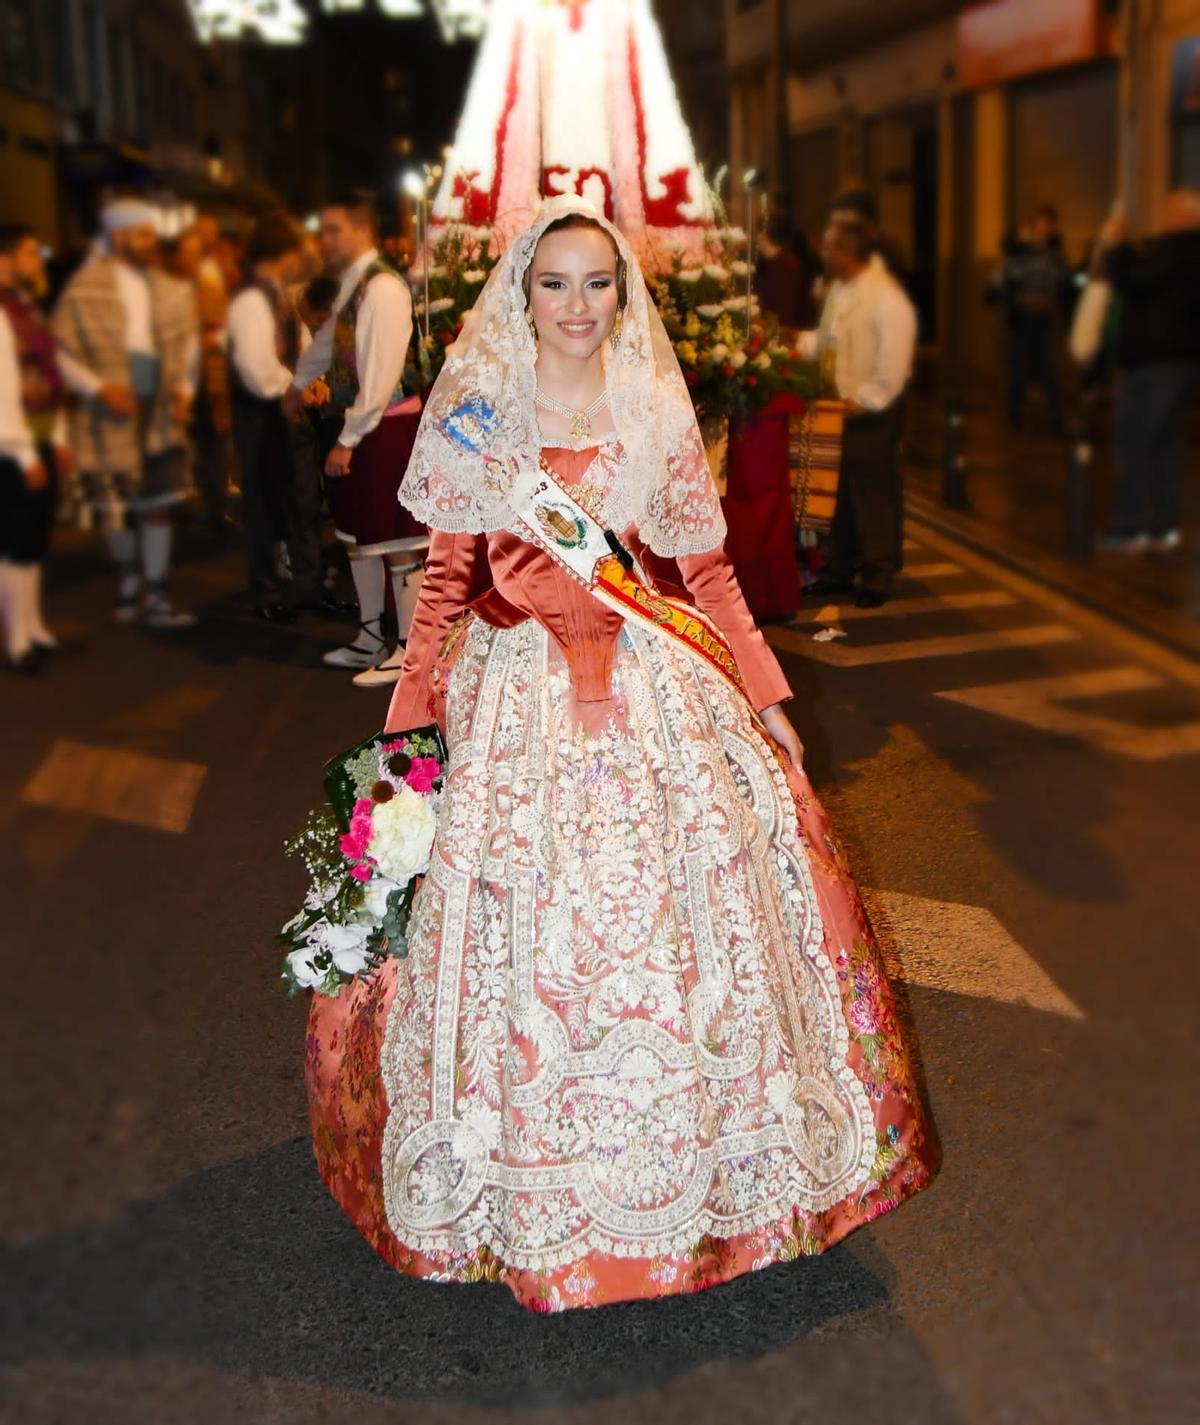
[
  {"x": 1009, "y": 749},
  {"x": 1016, "y": 789}
]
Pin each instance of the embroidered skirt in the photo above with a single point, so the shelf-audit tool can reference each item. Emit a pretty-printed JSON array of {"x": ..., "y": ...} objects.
[{"x": 643, "y": 1040}]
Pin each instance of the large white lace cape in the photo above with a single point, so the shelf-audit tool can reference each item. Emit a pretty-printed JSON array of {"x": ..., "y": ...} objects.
[{"x": 480, "y": 428}]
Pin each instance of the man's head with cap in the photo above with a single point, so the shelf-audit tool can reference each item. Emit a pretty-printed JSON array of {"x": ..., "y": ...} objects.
[{"x": 131, "y": 229}]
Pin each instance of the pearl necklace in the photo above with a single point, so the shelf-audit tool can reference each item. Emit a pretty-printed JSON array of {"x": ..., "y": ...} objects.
[{"x": 581, "y": 421}]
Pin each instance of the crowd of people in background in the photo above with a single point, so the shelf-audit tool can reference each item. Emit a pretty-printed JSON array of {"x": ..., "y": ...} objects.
[
  {"x": 254, "y": 365},
  {"x": 1129, "y": 316},
  {"x": 257, "y": 366}
]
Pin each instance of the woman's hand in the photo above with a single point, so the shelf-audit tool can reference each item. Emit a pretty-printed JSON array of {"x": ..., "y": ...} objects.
[{"x": 776, "y": 722}]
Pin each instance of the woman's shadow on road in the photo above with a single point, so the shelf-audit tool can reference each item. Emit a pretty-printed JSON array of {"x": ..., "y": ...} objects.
[{"x": 250, "y": 1267}]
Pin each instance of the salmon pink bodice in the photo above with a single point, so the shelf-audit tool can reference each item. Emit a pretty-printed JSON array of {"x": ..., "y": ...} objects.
[{"x": 504, "y": 580}]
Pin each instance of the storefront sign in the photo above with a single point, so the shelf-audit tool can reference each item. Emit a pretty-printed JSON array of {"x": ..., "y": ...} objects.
[{"x": 1006, "y": 39}]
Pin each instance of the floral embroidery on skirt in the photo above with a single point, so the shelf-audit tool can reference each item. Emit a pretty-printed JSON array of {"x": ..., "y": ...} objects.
[{"x": 642, "y": 1041}]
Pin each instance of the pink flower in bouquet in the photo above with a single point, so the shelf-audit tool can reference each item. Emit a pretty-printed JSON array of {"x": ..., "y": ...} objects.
[
  {"x": 423, "y": 773},
  {"x": 355, "y": 842},
  {"x": 361, "y": 872}
]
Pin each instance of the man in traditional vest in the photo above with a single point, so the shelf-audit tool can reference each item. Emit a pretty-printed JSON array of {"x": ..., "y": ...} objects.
[
  {"x": 33, "y": 451},
  {"x": 266, "y": 337},
  {"x": 362, "y": 349},
  {"x": 128, "y": 346}
]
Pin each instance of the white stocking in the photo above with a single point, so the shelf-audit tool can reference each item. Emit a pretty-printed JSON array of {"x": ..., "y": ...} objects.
[
  {"x": 156, "y": 554},
  {"x": 123, "y": 548},
  {"x": 37, "y": 624},
  {"x": 12, "y": 614},
  {"x": 367, "y": 573},
  {"x": 406, "y": 589}
]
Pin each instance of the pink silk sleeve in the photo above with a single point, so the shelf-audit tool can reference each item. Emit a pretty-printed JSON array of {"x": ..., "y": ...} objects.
[
  {"x": 447, "y": 589},
  {"x": 714, "y": 589}
]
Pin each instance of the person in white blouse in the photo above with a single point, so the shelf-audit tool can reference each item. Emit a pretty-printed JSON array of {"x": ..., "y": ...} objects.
[
  {"x": 33, "y": 454},
  {"x": 864, "y": 344},
  {"x": 362, "y": 350}
]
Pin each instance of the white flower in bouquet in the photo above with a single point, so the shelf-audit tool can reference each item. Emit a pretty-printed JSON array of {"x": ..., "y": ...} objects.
[
  {"x": 402, "y": 835},
  {"x": 734, "y": 304},
  {"x": 375, "y": 898},
  {"x": 438, "y": 271},
  {"x": 690, "y": 274},
  {"x": 347, "y": 946},
  {"x": 739, "y": 268},
  {"x": 304, "y": 970},
  {"x": 720, "y": 351},
  {"x": 763, "y": 361},
  {"x": 716, "y": 271},
  {"x": 711, "y": 310},
  {"x": 441, "y": 304},
  {"x": 738, "y": 360},
  {"x": 474, "y": 275}
]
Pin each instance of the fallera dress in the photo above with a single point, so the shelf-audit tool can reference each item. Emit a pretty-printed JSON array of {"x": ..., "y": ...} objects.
[{"x": 642, "y": 1041}]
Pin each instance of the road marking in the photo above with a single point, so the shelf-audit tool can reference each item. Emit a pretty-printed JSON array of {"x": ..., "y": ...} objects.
[
  {"x": 940, "y": 570},
  {"x": 1134, "y": 645},
  {"x": 1038, "y": 702},
  {"x": 838, "y": 655},
  {"x": 115, "y": 783},
  {"x": 962, "y": 949},
  {"x": 897, "y": 608}
]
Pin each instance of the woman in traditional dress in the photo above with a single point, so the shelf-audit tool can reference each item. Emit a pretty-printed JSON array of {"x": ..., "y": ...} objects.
[{"x": 642, "y": 1041}]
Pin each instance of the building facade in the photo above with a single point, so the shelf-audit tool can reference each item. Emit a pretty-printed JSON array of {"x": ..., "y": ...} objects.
[
  {"x": 98, "y": 95},
  {"x": 963, "y": 119}
]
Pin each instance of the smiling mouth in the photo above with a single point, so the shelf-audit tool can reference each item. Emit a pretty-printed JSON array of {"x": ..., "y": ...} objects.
[{"x": 577, "y": 328}]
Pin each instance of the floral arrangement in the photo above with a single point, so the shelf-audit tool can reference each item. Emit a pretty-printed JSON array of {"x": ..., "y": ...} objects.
[
  {"x": 365, "y": 854},
  {"x": 734, "y": 357},
  {"x": 459, "y": 263}
]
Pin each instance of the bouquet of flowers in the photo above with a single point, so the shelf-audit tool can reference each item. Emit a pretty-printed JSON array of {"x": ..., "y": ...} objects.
[
  {"x": 365, "y": 853},
  {"x": 459, "y": 263},
  {"x": 734, "y": 358}
]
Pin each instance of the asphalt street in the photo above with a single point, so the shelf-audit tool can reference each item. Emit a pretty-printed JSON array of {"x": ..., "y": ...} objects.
[{"x": 1017, "y": 785}]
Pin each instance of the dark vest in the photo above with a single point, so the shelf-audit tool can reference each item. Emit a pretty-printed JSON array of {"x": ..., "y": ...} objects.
[
  {"x": 287, "y": 337},
  {"x": 343, "y": 365},
  {"x": 41, "y": 385}
]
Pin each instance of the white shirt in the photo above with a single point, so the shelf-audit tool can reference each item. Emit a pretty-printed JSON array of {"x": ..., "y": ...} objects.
[
  {"x": 381, "y": 337},
  {"x": 134, "y": 292},
  {"x": 253, "y": 348},
  {"x": 872, "y": 327},
  {"x": 16, "y": 439}
]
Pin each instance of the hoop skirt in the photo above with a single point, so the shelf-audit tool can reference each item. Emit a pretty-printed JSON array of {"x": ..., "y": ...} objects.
[{"x": 642, "y": 1041}]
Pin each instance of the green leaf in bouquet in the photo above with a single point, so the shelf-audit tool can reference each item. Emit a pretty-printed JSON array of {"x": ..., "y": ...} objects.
[{"x": 340, "y": 779}]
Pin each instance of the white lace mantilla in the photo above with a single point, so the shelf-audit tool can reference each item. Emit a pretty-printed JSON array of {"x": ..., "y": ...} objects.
[
  {"x": 617, "y": 1028},
  {"x": 479, "y": 429}
]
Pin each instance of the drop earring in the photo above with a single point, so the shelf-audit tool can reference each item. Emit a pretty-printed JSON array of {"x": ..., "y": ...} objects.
[
  {"x": 615, "y": 335},
  {"x": 532, "y": 325}
]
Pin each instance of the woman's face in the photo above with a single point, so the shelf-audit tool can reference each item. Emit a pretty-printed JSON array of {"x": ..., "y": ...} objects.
[{"x": 573, "y": 290}]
